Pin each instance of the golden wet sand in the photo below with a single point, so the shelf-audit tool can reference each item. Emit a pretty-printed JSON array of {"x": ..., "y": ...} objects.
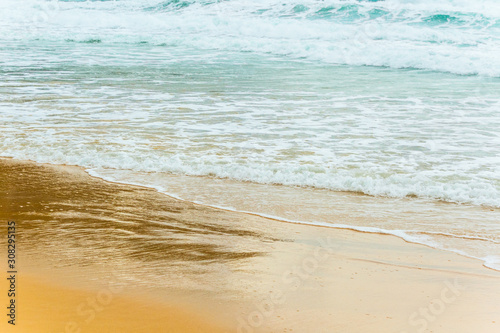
[{"x": 95, "y": 256}]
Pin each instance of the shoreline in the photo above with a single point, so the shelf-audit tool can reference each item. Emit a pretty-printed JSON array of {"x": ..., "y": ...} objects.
[
  {"x": 401, "y": 234},
  {"x": 275, "y": 276}
]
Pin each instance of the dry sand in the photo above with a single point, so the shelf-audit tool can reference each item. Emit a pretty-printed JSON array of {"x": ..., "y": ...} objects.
[{"x": 95, "y": 256}]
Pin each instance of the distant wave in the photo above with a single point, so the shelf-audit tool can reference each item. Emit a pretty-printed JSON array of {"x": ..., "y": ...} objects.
[{"x": 456, "y": 36}]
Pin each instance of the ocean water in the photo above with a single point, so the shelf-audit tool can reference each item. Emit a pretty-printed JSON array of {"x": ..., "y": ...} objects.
[{"x": 381, "y": 116}]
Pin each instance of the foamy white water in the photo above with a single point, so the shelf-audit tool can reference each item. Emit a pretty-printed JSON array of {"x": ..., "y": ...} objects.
[{"x": 394, "y": 99}]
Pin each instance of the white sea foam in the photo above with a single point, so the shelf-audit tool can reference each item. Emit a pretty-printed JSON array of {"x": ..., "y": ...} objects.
[{"x": 398, "y": 140}]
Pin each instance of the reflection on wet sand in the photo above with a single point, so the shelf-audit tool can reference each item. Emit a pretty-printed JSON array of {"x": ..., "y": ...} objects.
[
  {"x": 80, "y": 237},
  {"x": 79, "y": 220}
]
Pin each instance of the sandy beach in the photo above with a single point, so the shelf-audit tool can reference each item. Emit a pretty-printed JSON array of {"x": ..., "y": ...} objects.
[
  {"x": 95, "y": 256},
  {"x": 250, "y": 166}
]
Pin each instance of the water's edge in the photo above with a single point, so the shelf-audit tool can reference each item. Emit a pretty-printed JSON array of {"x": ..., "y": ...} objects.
[{"x": 402, "y": 234}]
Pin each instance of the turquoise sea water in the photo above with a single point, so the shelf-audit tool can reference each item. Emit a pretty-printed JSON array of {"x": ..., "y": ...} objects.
[{"x": 395, "y": 99}]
